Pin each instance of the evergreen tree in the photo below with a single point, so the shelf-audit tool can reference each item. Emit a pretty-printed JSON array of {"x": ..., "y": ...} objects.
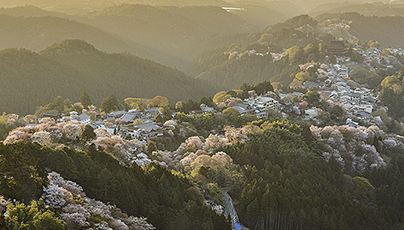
[
  {"x": 110, "y": 103},
  {"x": 2, "y": 221},
  {"x": 19, "y": 180},
  {"x": 34, "y": 216},
  {"x": 41, "y": 171},
  {"x": 88, "y": 133},
  {"x": 263, "y": 87},
  {"x": 58, "y": 104},
  {"x": 191, "y": 105},
  {"x": 206, "y": 101},
  {"x": 85, "y": 100},
  {"x": 4, "y": 128},
  {"x": 166, "y": 113}
]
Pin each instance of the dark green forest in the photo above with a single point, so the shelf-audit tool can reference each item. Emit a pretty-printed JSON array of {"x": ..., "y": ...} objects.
[
  {"x": 72, "y": 67},
  {"x": 169, "y": 201},
  {"x": 289, "y": 187}
]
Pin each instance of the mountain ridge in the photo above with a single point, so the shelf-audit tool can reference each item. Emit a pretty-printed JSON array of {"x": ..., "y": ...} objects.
[{"x": 61, "y": 70}]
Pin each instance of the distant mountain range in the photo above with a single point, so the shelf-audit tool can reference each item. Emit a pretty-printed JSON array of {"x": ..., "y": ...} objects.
[
  {"x": 37, "y": 33},
  {"x": 367, "y": 9},
  {"x": 67, "y": 69},
  {"x": 165, "y": 33}
]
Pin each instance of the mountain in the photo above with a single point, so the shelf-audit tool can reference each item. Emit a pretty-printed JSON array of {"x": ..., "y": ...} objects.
[
  {"x": 388, "y": 31},
  {"x": 75, "y": 7},
  {"x": 37, "y": 33},
  {"x": 367, "y": 9},
  {"x": 67, "y": 69},
  {"x": 169, "y": 201},
  {"x": 165, "y": 34},
  {"x": 29, "y": 11},
  {"x": 251, "y": 61},
  {"x": 168, "y": 30},
  {"x": 266, "y": 13},
  {"x": 308, "y": 5}
]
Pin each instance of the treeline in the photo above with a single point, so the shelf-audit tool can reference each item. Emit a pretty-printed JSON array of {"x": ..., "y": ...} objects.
[
  {"x": 67, "y": 69},
  {"x": 169, "y": 201},
  {"x": 289, "y": 187},
  {"x": 368, "y": 9},
  {"x": 391, "y": 95},
  {"x": 386, "y": 30},
  {"x": 232, "y": 66},
  {"x": 166, "y": 34},
  {"x": 35, "y": 31}
]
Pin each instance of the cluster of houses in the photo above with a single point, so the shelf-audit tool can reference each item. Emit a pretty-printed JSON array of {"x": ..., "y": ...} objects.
[
  {"x": 132, "y": 124},
  {"x": 333, "y": 83},
  {"x": 358, "y": 101}
]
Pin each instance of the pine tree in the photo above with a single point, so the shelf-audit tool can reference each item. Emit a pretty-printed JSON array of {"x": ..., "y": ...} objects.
[
  {"x": 110, "y": 103},
  {"x": 88, "y": 133},
  {"x": 85, "y": 100},
  {"x": 41, "y": 171}
]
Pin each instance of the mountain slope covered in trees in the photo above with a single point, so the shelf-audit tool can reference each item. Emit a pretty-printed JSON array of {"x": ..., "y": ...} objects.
[
  {"x": 289, "y": 186},
  {"x": 251, "y": 62},
  {"x": 30, "y": 79},
  {"x": 367, "y": 9},
  {"x": 169, "y": 201},
  {"x": 166, "y": 34},
  {"x": 37, "y": 33},
  {"x": 266, "y": 13},
  {"x": 387, "y": 30},
  {"x": 170, "y": 30}
]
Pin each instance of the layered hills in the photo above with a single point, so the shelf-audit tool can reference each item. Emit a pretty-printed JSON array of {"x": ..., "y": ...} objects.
[
  {"x": 37, "y": 33},
  {"x": 166, "y": 34},
  {"x": 73, "y": 66},
  {"x": 266, "y": 13},
  {"x": 367, "y": 9}
]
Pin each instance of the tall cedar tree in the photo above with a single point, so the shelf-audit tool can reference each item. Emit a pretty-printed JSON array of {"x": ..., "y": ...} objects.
[{"x": 85, "y": 100}]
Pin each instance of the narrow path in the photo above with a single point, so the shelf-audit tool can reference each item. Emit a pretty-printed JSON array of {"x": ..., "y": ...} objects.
[{"x": 230, "y": 210}]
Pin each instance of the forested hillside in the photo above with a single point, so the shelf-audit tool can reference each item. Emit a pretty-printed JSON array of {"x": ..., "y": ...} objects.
[
  {"x": 252, "y": 61},
  {"x": 167, "y": 34},
  {"x": 367, "y": 9},
  {"x": 37, "y": 33},
  {"x": 386, "y": 30},
  {"x": 169, "y": 201},
  {"x": 289, "y": 186},
  {"x": 169, "y": 31},
  {"x": 67, "y": 69},
  {"x": 266, "y": 13}
]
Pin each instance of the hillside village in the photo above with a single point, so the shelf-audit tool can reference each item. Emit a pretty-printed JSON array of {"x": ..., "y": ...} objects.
[
  {"x": 333, "y": 82},
  {"x": 201, "y": 114},
  {"x": 337, "y": 96}
]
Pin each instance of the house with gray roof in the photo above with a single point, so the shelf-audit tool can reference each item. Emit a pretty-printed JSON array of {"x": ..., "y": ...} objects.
[
  {"x": 128, "y": 118},
  {"x": 148, "y": 127},
  {"x": 84, "y": 118}
]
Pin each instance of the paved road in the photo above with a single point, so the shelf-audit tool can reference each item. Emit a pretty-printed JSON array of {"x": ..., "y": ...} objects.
[{"x": 228, "y": 204}]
